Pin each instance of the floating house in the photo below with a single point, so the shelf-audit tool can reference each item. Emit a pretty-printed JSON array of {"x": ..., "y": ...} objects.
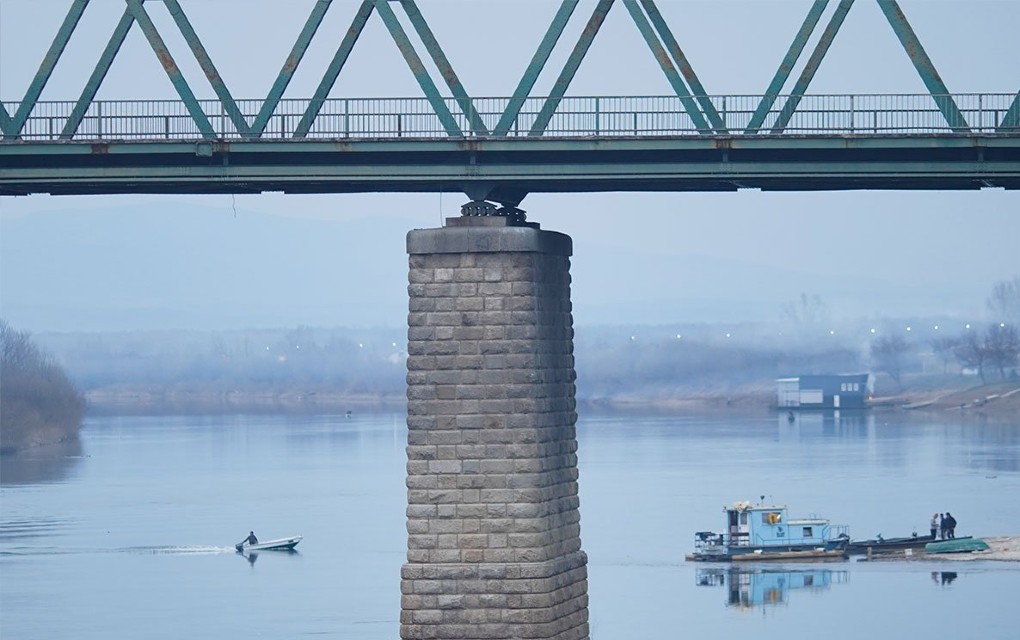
[{"x": 834, "y": 391}]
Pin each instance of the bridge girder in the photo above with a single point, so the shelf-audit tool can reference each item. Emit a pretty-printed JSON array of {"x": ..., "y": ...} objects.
[{"x": 503, "y": 170}]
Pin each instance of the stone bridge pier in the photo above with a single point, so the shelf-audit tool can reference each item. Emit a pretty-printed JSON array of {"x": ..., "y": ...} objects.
[{"x": 494, "y": 548}]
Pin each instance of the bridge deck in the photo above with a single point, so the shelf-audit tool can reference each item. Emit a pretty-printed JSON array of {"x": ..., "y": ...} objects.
[{"x": 591, "y": 144}]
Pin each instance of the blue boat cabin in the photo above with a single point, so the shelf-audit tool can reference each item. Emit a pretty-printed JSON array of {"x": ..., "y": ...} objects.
[{"x": 765, "y": 526}]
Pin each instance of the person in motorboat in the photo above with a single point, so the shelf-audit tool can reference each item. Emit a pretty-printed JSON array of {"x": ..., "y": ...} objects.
[{"x": 251, "y": 539}]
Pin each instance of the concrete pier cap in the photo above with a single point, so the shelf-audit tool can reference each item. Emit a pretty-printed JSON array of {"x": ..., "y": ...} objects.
[{"x": 494, "y": 548}]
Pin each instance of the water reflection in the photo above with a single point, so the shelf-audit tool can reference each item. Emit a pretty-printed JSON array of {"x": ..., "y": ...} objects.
[
  {"x": 252, "y": 556},
  {"x": 749, "y": 588},
  {"x": 50, "y": 463},
  {"x": 943, "y": 578}
]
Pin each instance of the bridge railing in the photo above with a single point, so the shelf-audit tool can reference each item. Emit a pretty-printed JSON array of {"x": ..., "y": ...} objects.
[{"x": 601, "y": 116}]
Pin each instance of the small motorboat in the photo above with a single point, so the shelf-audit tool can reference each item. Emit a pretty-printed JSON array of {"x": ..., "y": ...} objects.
[
  {"x": 957, "y": 545},
  {"x": 281, "y": 544},
  {"x": 888, "y": 545}
]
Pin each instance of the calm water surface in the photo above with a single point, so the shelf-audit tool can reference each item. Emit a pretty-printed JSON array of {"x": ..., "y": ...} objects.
[{"x": 131, "y": 533}]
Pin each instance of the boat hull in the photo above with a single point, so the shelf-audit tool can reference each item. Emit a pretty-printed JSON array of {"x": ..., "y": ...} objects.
[
  {"x": 282, "y": 544},
  {"x": 835, "y": 551},
  {"x": 887, "y": 545},
  {"x": 957, "y": 545}
]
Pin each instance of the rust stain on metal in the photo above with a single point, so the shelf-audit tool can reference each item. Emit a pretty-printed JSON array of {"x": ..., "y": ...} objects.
[
  {"x": 470, "y": 145},
  {"x": 722, "y": 143},
  {"x": 166, "y": 60},
  {"x": 100, "y": 148}
]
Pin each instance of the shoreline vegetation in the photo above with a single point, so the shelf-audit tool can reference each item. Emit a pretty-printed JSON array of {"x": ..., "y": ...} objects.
[{"x": 39, "y": 404}]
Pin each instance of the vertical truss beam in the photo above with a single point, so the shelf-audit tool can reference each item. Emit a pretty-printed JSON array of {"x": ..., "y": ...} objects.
[
  {"x": 808, "y": 73},
  {"x": 598, "y": 17},
  {"x": 335, "y": 67},
  {"x": 662, "y": 57},
  {"x": 56, "y": 49},
  {"x": 534, "y": 69},
  {"x": 171, "y": 68},
  {"x": 290, "y": 65},
  {"x": 204, "y": 61},
  {"x": 786, "y": 66},
  {"x": 938, "y": 90},
  {"x": 444, "y": 66},
  {"x": 684, "y": 65},
  {"x": 417, "y": 68},
  {"x": 1010, "y": 121},
  {"x": 88, "y": 94}
]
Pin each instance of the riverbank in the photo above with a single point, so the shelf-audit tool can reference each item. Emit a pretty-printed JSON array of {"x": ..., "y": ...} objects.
[
  {"x": 1000, "y": 549},
  {"x": 999, "y": 401}
]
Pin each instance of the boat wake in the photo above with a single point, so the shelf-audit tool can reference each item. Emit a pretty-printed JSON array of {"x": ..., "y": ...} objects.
[{"x": 154, "y": 550}]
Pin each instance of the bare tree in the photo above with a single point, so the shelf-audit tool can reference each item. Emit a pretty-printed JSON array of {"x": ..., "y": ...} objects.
[
  {"x": 1002, "y": 343},
  {"x": 972, "y": 353},
  {"x": 944, "y": 348},
  {"x": 1004, "y": 301},
  {"x": 887, "y": 355},
  {"x": 808, "y": 310}
]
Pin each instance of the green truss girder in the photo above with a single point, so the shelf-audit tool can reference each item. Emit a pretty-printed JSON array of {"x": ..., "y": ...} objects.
[{"x": 644, "y": 13}]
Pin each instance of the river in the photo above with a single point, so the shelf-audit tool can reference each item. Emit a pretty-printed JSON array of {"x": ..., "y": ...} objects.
[{"x": 130, "y": 533}]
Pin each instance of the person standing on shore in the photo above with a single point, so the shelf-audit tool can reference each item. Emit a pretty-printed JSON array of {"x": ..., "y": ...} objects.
[
  {"x": 934, "y": 526},
  {"x": 950, "y": 525}
]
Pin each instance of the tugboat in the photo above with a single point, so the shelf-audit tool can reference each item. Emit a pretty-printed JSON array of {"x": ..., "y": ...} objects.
[{"x": 761, "y": 532}]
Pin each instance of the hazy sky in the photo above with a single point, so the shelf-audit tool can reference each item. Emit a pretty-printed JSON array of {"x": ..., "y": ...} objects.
[{"x": 221, "y": 262}]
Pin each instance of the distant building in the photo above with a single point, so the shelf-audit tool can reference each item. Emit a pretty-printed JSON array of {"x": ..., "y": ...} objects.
[{"x": 838, "y": 391}]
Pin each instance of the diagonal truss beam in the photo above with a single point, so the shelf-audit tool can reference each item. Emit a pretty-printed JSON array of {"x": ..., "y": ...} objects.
[
  {"x": 645, "y": 14},
  {"x": 290, "y": 65},
  {"x": 102, "y": 67},
  {"x": 172, "y": 71},
  {"x": 786, "y": 66},
  {"x": 808, "y": 73},
  {"x": 443, "y": 64},
  {"x": 684, "y": 65},
  {"x": 534, "y": 68},
  {"x": 1011, "y": 121},
  {"x": 206, "y": 63},
  {"x": 417, "y": 68},
  {"x": 14, "y": 124},
  {"x": 598, "y": 17},
  {"x": 336, "y": 65},
  {"x": 667, "y": 66},
  {"x": 6, "y": 123},
  {"x": 938, "y": 90}
]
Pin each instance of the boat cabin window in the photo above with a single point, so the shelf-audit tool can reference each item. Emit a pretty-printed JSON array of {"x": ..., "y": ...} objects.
[
  {"x": 808, "y": 532},
  {"x": 771, "y": 517},
  {"x": 743, "y": 517}
]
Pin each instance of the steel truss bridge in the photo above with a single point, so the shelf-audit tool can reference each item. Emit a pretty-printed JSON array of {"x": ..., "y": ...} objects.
[{"x": 499, "y": 149}]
